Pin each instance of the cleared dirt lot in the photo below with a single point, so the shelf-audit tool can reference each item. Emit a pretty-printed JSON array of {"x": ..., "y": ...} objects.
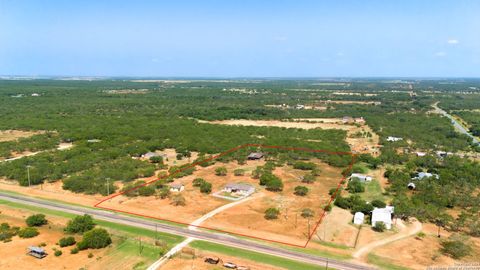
[
  {"x": 248, "y": 218},
  {"x": 12, "y": 135}
]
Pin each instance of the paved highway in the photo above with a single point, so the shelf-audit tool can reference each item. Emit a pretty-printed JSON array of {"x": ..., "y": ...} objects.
[
  {"x": 200, "y": 235},
  {"x": 458, "y": 126}
]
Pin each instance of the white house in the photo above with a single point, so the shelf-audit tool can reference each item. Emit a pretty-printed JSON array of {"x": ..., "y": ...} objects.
[
  {"x": 240, "y": 189},
  {"x": 422, "y": 175},
  {"x": 384, "y": 215},
  {"x": 358, "y": 218},
  {"x": 361, "y": 177},
  {"x": 393, "y": 139},
  {"x": 177, "y": 187},
  {"x": 421, "y": 154}
]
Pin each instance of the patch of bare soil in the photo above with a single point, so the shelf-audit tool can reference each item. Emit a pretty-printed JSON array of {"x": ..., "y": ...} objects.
[
  {"x": 248, "y": 218},
  {"x": 337, "y": 228},
  {"x": 420, "y": 252},
  {"x": 14, "y": 255},
  {"x": 53, "y": 191},
  {"x": 169, "y": 156},
  {"x": 197, "y": 203},
  {"x": 12, "y": 135},
  {"x": 195, "y": 259}
]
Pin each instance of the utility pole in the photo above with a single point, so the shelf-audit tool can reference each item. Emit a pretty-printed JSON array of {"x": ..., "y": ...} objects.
[
  {"x": 108, "y": 186},
  {"x": 28, "y": 175}
]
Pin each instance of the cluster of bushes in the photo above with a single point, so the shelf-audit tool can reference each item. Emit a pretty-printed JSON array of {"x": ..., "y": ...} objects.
[
  {"x": 7, "y": 232},
  {"x": 91, "y": 237},
  {"x": 205, "y": 187},
  {"x": 356, "y": 204}
]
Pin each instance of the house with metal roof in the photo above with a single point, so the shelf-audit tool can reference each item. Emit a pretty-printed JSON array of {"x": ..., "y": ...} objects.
[
  {"x": 382, "y": 215},
  {"x": 239, "y": 188}
]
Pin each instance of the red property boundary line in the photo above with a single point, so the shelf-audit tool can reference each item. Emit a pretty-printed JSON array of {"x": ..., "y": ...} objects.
[{"x": 323, "y": 214}]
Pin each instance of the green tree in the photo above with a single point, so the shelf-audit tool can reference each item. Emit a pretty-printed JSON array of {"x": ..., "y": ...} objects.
[
  {"x": 221, "y": 171},
  {"x": 95, "y": 238},
  {"x": 67, "y": 241},
  {"x": 36, "y": 220},
  {"x": 308, "y": 178},
  {"x": 272, "y": 213},
  {"x": 28, "y": 232},
  {"x": 80, "y": 224},
  {"x": 355, "y": 186},
  {"x": 301, "y": 191},
  {"x": 378, "y": 203},
  {"x": 197, "y": 182},
  {"x": 206, "y": 187}
]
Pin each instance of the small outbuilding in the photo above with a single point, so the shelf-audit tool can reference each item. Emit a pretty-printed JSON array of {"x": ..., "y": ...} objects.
[
  {"x": 149, "y": 155},
  {"x": 255, "y": 156},
  {"x": 36, "y": 252},
  {"x": 423, "y": 175},
  {"x": 383, "y": 215},
  {"x": 393, "y": 139},
  {"x": 177, "y": 187},
  {"x": 411, "y": 186},
  {"x": 358, "y": 218},
  {"x": 361, "y": 177}
]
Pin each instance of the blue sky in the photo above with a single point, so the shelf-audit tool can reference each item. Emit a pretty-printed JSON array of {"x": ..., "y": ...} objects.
[{"x": 240, "y": 38}]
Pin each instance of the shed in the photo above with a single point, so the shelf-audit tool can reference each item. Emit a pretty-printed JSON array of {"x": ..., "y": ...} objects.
[
  {"x": 255, "y": 156},
  {"x": 177, "y": 187},
  {"x": 36, "y": 252},
  {"x": 149, "y": 155},
  {"x": 361, "y": 177},
  {"x": 411, "y": 186},
  {"x": 358, "y": 218}
]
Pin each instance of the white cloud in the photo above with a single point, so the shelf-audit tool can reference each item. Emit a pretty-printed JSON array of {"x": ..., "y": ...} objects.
[
  {"x": 440, "y": 54},
  {"x": 453, "y": 41}
]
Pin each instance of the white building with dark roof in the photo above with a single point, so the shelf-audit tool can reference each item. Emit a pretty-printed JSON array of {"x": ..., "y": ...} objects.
[{"x": 240, "y": 189}]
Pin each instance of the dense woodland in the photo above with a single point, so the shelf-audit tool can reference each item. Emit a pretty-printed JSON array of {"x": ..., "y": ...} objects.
[{"x": 111, "y": 122}]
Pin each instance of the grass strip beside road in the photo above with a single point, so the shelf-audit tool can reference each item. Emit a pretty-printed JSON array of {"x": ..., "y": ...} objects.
[
  {"x": 254, "y": 256},
  {"x": 169, "y": 238},
  {"x": 384, "y": 263}
]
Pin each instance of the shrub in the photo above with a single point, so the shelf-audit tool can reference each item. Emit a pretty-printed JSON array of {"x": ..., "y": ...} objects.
[
  {"x": 164, "y": 192},
  {"x": 308, "y": 178},
  {"x": 197, "y": 182},
  {"x": 7, "y": 232},
  {"x": 239, "y": 172},
  {"x": 275, "y": 184},
  {"x": 74, "y": 250},
  {"x": 206, "y": 187},
  {"x": 342, "y": 202},
  {"x": 355, "y": 186},
  {"x": 66, "y": 241},
  {"x": 28, "y": 232},
  {"x": 301, "y": 191},
  {"x": 379, "y": 226},
  {"x": 146, "y": 190},
  {"x": 36, "y": 220},
  {"x": 80, "y": 224},
  {"x": 455, "y": 247},
  {"x": 307, "y": 212},
  {"x": 95, "y": 238},
  {"x": 178, "y": 200},
  {"x": 57, "y": 253},
  {"x": 301, "y": 165},
  {"x": 90, "y": 255},
  {"x": 156, "y": 159},
  {"x": 221, "y": 171},
  {"x": 272, "y": 213},
  {"x": 378, "y": 203}
]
